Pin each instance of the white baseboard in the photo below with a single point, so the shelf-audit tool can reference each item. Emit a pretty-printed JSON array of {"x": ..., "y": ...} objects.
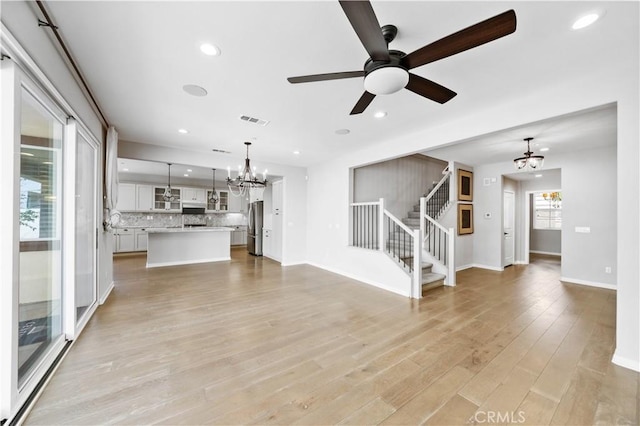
[
  {"x": 292, "y": 263},
  {"x": 363, "y": 280},
  {"x": 463, "y": 267},
  {"x": 187, "y": 262},
  {"x": 491, "y": 268},
  {"x": 549, "y": 253},
  {"x": 106, "y": 294},
  {"x": 588, "y": 283},
  {"x": 520, "y": 262},
  {"x": 626, "y": 362}
]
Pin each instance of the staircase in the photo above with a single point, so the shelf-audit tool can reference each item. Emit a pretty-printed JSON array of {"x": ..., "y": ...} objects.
[
  {"x": 420, "y": 245},
  {"x": 430, "y": 279}
]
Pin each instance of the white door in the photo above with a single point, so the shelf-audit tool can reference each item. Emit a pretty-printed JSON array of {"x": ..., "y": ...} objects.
[{"x": 508, "y": 227}]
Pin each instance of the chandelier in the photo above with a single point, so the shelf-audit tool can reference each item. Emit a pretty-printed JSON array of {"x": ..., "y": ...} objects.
[
  {"x": 530, "y": 162},
  {"x": 246, "y": 179},
  {"x": 213, "y": 199},
  {"x": 167, "y": 195}
]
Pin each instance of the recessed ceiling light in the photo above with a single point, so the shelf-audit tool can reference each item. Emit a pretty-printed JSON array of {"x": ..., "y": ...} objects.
[
  {"x": 125, "y": 170},
  {"x": 380, "y": 114},
  {"x": 343, "y": 131},
  {"x": 183, "y": 131},
  {"x": 189, "y": 170},
  {"x": 585, "y": 21},
  {"x": 194, "y": 90},
  {"x": 186, "y": 175},
  {"x": 296, "y": 152},
  {"x": 544, "y": 149},
  {"x": 538, "y": 175},
  {"x": 210, "y": 49},
  {"x": 26, "y": 154}
]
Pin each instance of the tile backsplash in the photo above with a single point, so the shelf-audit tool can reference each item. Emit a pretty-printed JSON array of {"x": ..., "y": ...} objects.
[{"x": 168, "y": 220}]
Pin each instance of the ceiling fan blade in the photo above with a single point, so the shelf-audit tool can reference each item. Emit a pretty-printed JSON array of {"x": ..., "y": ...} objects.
[
  {"x": 324, "y": 77},
  {"x": 429, "y": 89},
  {"x": 362, "y": 103},
  {"x": 364, "y": 22},
  {"x": 468, "y": 38}
]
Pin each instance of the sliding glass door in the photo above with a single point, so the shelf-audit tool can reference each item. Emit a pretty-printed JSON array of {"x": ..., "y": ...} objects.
[
  {"x": 40, "y": 310},
  {"x": 49, "y": 167}
]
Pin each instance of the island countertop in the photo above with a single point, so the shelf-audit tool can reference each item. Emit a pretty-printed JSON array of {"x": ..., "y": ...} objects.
[
  {"x": 183, "y": 246},
  {"x": 187, "y": 229}
]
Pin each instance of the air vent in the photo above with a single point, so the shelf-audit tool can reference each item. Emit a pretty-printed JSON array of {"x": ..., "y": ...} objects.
[
  {"x": 221, "y": 151},
  {"x": 254, "y": 120}
]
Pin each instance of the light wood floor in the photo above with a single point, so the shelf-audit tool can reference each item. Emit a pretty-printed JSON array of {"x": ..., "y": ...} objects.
[{"x": 249, "y": 342}]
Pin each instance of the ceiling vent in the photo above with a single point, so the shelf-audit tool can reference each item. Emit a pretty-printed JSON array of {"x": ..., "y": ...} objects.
[
  {"x": 254, "y": 120},
  {"x": 221, "y": 151}
]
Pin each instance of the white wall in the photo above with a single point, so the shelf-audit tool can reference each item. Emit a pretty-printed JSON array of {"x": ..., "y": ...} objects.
[
  {"x": 294, "y": 209},
  {"x": 328, "y": 221},
  {"x": 401, "y": 182}
]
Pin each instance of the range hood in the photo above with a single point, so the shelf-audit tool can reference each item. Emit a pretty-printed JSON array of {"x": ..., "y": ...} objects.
[{"x": 193, "y": 208}]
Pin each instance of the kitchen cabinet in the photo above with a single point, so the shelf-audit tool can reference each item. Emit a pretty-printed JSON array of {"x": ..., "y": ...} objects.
[
  {"x": 144, "y": 197},
  {"x": 223, "y": 201},
  {"x": 238, "y": 204},
  {"x": 123, "y": 240},
  {"x": 195, "y": 195},
  {"x": 239, "y": 236},
  {"x": 160, "y": 204},
  {"x": 267, "y": 242},
  {"x": 140, "y": 239},
  {"x": 126, "y": 197}
]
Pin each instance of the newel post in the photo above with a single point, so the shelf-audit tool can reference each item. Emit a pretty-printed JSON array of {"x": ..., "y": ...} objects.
[
  {"x": 416, "y": 292},
  {"x": 381, "y": 225},
  {"x": 451, "y": 259}
]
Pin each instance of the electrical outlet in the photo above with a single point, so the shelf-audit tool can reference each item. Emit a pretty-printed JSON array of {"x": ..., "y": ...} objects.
[{"x": 607, "y": 269}]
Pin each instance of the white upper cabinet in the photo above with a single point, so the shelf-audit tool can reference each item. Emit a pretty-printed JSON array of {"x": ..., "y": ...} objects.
[
  {"x": 144, "y": 197},
  {"x": 126, "y": 197},
  {"x": 194, "y": 195}
]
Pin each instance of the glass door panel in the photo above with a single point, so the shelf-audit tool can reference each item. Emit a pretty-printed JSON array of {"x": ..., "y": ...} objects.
[
  {"x": 85, "y": 223},
  {"x": 40, "y": 215}
]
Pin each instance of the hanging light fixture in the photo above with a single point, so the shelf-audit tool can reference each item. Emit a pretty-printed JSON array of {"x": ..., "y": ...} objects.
[
  {"x": 246, "y": 179},
  {"x": 168, "y": 196},
  {"x": 530, "y": 162},
  {"x": 214, "y": 195}
]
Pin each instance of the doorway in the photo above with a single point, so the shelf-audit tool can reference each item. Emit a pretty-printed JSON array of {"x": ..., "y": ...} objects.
[{"x": 508, "y": 228}]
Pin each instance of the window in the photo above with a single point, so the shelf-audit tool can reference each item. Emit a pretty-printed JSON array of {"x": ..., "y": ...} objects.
[{"x": 547, "y": 210}]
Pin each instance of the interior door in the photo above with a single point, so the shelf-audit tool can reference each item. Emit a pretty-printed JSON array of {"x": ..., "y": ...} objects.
[{"x": 508, "y": 228}]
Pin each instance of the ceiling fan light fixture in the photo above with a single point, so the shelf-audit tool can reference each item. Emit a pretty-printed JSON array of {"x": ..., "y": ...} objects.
[{"x": 386, "y": 80}]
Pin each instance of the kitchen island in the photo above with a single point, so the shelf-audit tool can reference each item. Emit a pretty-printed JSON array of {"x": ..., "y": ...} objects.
[{"x": 182, "y": 246}]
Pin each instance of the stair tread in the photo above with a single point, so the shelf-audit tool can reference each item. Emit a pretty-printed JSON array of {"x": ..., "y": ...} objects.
[{"x": 432, "y": 277}]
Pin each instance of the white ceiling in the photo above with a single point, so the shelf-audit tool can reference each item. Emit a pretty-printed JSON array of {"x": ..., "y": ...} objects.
[
  {"x": 584, "y": 130},
  {"x": 137, "y": 56}
]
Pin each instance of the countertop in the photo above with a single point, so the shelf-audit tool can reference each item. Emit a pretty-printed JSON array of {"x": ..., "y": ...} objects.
[{"x": 196, "y": 229}]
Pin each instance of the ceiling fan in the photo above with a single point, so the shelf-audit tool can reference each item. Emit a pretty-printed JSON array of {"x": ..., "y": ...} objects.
[{"x": 387, "y": 71}]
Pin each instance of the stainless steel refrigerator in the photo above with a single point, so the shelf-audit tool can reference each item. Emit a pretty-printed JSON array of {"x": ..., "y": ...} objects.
[{"x": 254, "y": 234}]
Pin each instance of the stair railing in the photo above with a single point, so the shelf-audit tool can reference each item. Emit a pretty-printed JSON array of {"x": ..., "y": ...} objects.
[
  {"x": 438, "y": 241},
  {"x": 438, "y": 198},
  {"x": 366, "y": 224},
  {"x": 374, "y": 227}
]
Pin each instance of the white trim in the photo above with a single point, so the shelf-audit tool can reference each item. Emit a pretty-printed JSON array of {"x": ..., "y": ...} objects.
[
  {"x": 631, "y": 364},
  {"x": 491, "y": 268},
  {"x": 588, "y": 283},
  {"x": 289, "y": 263},
  {"x": 520, "y": 262},
  {"x": 463, "y": 267},
  {"x": 187, "y": 262},
  {"x": 362, "y": 280},
  {"x": 104, "y": 297},
  {"x": 549, "y": 253}
]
